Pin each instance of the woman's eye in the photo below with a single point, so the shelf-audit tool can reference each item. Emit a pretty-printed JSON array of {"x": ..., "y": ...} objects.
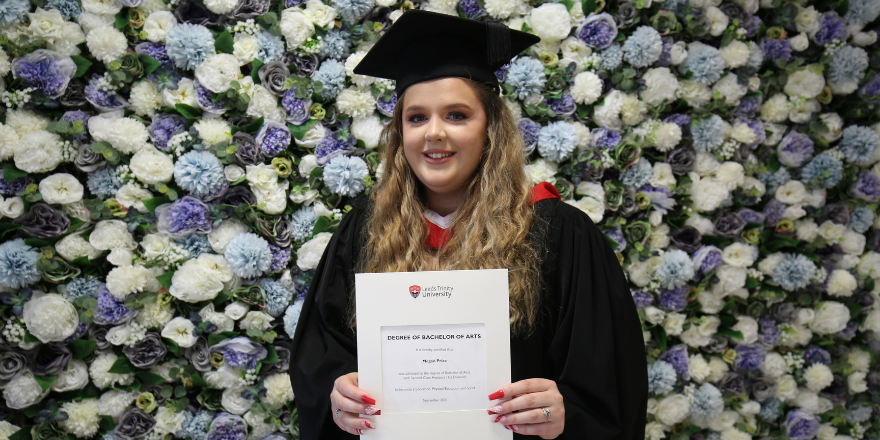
[
  {"x": 454, "y": 114},
  {"x": 415, "y": 118}
]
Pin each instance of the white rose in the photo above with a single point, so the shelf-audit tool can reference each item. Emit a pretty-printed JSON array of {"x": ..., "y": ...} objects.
[
  {"x": 831, "y": 231},
  {"x": 740, "y": 255},
  {"x": 74, "y": 377},
  {"x": 223, "y": 322},
  {"x": 12, "y": 207},
  {"x": 541, "y": 170},
  {"x": 786, "y": 387},
  {"x": 831, "y": 317},
  {"x": 804, "y": 83},
  {"x": 152, "y": 166},
  {"x": 594, "y": 208},
  {"x": 841, "y": 283},
  {"x": 158, "y": 24},
  {"x": 308, "y": 256},
  {"x": 735, "y": 54},
  {"x": 200, "y": 279},
  {"x": 708, "y": 195},
  {"x": 245, "y": 47},
  {"x": 799, "y": 42},
  {"x": 218, "y": 71},
  {"x": 75, "y": 246},
  {"x": 318, "y": 13},
  {"x": 61, "y": 188},
  {"x": 872, "y": 322},
  {"x": 791, "y": 192},
  {"x": 718, "y": 21},
  {"x": 672, "y": 410},
  {"x": 112, "y": 234},
  {"x": 774, "y": 365},
  {"x": 749, "y": 329},
  {"x": 367, "y": 129},
  {"x": 661, "y": 86},
  {"x": 856, "y": 382},
  {"x": 852, "y": 242},
  {"x": 726, "y": 420},
  {"x": 551, "y": 21},
  {"x": 313, "y": 136},
  {"x": 236, "y": 310},
  {"x": 168, "y": 421},
  {"x": 262, "y": 176},
  {"x": 863, "y": 39},
  {"x": 654, "y": 315},
  {"x": 258, "y": 320},
  {"x": 185, "y": 94},
  {"x": 50, "y": 317},
  {"x": 806, "y": 230},
  {"x": 296, "y": 27},
  {"x": 181, "y": 331},
  {"x": 273, "y": 201},
  {"x": 234, "y": 403},
  {"x": 308, "y": 163},
  {"x": 233, "y": 172},
  {"x": 674, "y": 323},
  {"x": 807, "y": 20},
  {"x": 131, "y": 195},
  {"x": 224, "y": 377}
]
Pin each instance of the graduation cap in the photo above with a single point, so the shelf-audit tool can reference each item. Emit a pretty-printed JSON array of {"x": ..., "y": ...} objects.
[{"x": 424, "y": 45}]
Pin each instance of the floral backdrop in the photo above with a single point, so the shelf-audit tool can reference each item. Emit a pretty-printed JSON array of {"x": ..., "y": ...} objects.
[{"x": 173, "y": 169}]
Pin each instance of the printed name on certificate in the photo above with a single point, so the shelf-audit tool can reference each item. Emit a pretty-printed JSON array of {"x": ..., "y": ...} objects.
[{"x": 428, "y": 368}]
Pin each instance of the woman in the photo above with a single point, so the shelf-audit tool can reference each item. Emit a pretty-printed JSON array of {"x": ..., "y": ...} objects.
[{"x": 454, "y": 162}]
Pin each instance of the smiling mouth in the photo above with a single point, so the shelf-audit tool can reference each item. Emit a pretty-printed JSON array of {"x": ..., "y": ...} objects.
[{"x": 438, "y": 155}]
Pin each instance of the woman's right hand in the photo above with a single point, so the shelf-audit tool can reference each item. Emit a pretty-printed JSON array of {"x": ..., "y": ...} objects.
[{"x": 352, "y": 401}]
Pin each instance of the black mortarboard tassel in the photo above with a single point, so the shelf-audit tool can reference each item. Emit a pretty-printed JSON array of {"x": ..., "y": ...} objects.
[{"x": 423, "y": 45}]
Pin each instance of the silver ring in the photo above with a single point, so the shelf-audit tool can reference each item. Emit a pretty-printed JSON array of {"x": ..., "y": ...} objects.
[
  {"x": 546, "y": 413},
  {"x": 336, "y": 413}
]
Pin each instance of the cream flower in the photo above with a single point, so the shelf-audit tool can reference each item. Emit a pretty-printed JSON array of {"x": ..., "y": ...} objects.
[
  {"x": 158, "y": 24},
  {"x": 185, "y": 94},
  {"x": 310, "y": 253},
  {"x": 39, "y": 152},
  {"x": 50, "y": 317},
  {"x": 102, "y": 378},
  {"x": 152, "y": 166},
  {"x": 181, "y": 331},
  {"x": 61, "y": 188},
  {"x": 587, "y": 88},
  {"x": 551, "y": 21},
  {"x": 106, "y": 43},
  {"x": 318, "y": 13},
  {"x": 218, "y": 71},
  {"x": 112, "y": 234},
  {"x": 296, "y": 27},
  {"x": 23, "y": 391},
  {"x": 279, "y": 390},
  {"x": 145, "y": 99},
  {"x": 82, "y": 418}
]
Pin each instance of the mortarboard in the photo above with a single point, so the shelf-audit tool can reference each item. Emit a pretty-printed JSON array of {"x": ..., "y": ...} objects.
[{"x": 424, "y": 45}]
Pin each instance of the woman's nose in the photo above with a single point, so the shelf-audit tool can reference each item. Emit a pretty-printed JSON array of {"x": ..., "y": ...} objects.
[{"x": 435, "y": 130}]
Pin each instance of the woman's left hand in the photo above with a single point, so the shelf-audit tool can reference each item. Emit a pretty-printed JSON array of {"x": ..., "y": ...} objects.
[{"x": 525, "y": 414}]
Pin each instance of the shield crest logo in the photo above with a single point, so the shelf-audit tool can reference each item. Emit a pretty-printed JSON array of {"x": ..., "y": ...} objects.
[{"x": 414, "y": 291}]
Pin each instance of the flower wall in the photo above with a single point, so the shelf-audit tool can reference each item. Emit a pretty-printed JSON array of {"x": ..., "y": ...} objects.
[{"x": 172, "y": 171}]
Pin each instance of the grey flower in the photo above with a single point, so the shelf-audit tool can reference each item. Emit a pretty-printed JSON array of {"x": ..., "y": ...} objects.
[
  {"x": 729, "y": 224},
  {"x": 273, "y": 76},
  {"x": 134, "y": 425},
  {"x": 626, "y": 14},
  {"x": 837, "y": 213},
  {"x": 282, "y": 349},
  {"x": 49, "y": 359},
  {"x": 246, "y": 9},
  {"x": 681, "y": 160},
  {"x": 784, "y": 312},
  {"x": 628, "y": 205},
  {"x": 305, "y": 64},
  {"x": 10, "y": 364},
  {"x": 74, "y": 95},
  {"x": 248, "y": 152},
  {"x": 87, "y": 160},
  {"x": 763, "y": 389},
  {"x": 98, "y": 333},
  {"x": 732, "y": 384},
  {"x": 199, "y": 355},
  {"x": 146, "y": 353},
  {"x": 43, "y": 221}
]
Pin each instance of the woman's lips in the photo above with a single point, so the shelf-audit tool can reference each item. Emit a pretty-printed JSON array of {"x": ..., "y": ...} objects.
[{"x": 432, "y": 160}]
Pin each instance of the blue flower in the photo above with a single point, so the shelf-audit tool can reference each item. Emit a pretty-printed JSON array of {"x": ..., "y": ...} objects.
[
  {"x": 708, "y": 133},
  {"x": 597, "y": 31},
  {"x": 859, "y": 144},
  {"x": 816, "y": 355},
  {"x": 302, "y": 222},
  {"x": 345, "y": 175},
  {"x": 779, "y": 177},
  {"x": 13, "y": 11},
  {"x": 195, "y": 426},
  {"x": 200, "y": 173},
  {"x": 794, "y": 272},
  {"x": 80, "y": 287},
  {"x": 557, "y": 140},
  {"x": 103, "y": 183},
  {"x": 165, "y": 126},
  {"x": 675, "y": 270},
  {"x": 861, "y": 219},
  {"x": 848, "y": 65},
  {"x": 188, "y": 45},
  {"x": 606, "y": 139},
  {"x": 69, "y": 9},
  {"x": 674, "y": 300},
  {"x": 859, "y": 414},
  {"x": 277, "y": 296},
  {"x": 661, "y": 378},
  {"x": 862, "y": 11},
  {"x": 611, "y": 57},
  {"x": 195, "y": 245},
  {"x": 18, "y": 264},
  {"x": 638, "y": 175},
  {"x": 291, "y": 317},
  {"x": 526, "y": 76},
  {"x": 248, "y": 255},
  {"x": 274, "y": 137},
  {"x": 794, "y": 149},
  {"x": 271, "y": 47},
  {"x": 642, "y": 299},
  {"x": 705, "y": 62},
  {"x": 643, "y": 47},
  {"x": 337, "y": 44},
  {"x": 824, "y": 170},
  {"x": 707, "y": 403},
  {"x": 775, "y": 50},
  {"x": 770, "y": 410},
  {"x": 331, "y": 74},
  {"x": 352, "y": 10}
]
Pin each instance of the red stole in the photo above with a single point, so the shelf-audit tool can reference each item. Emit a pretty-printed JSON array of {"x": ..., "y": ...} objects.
[{"x": 438, "y": 237}]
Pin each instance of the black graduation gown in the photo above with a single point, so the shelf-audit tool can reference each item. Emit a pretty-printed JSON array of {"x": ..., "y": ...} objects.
[{"x": 589, "y": 339}]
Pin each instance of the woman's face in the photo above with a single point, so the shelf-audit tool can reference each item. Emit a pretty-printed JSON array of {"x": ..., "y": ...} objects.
[{"x": 444, "y": 133}]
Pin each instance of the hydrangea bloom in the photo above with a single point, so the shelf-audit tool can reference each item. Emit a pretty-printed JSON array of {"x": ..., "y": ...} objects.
[
  {"x": 866, "y": 187},
  {"x": 801, "y": 425},
  {"x": 597, "y": 31},
  {"x": 195, "y": 245},
  {"x": 848, "y": 65},
  {"x": 200, "y": 173},
  {"x": 611, "y": 57},
  {"x": 526, "y": 76},
  {"x": 18, "y": 264},
  {"x": 557, "y": 140},
  {"x": 195, "y": 426},
  {"x": 708, "y": 133},
  {"x": 277, "y": 297},
  {"x": 794, "y": 272},
  {"x": 248, "y": 255},
  {"x": 271, "y": 47},
  {"x": 81, "y": 287},
  {"x": 859, "y": 144},
  {"x": 831, "y": 27},
  {"x": 770, "y": 410},
  {"x": 861, "y": 219},
  {"x": 675, "y": 270},
  {"x": 705, "y": 62},
  {"x": 302, "y": 222},
  {"x": 188, "y": 45},
  {"x": 13, "y": 11},
  {"x": 862, "y": 11},
  {"x": 291, "y": 317},
  {"x": 677, "y": 356},
  {"x": 103, "y": 182},
  {"x": 345, "y": 175},
  {"x": 528, "y": 129},
  {"x": 643, "y": 47},
  {"x": 638, "y": 175},
  {"x": 707, "y": 403},
  {"x": 331, "y": 74},
  {"x": 775, "y": 50},
  {"x": 336, "y": 44},
  {"x": 748, "y": 358},
  {"x": 661, "y": 378}
]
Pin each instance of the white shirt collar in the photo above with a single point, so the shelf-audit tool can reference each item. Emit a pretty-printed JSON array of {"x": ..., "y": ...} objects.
[{"x": 437, "y": 219}]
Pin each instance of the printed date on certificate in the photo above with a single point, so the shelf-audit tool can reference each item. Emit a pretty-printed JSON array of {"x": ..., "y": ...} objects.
[{"x": 427, "y": 368}]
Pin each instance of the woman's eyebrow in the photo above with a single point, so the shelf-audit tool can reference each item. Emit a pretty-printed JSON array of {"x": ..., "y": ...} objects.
[{"x": 457, "y": 105}]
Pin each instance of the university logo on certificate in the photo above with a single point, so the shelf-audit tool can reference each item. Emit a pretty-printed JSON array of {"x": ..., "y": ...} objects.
[{"x": 432, "y": 346}]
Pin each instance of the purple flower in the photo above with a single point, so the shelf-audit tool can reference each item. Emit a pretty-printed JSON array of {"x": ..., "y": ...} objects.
[
  {"x": 110, "y": 310},
  {"x": 154, "y": 50},
  {"x": 330, "y": 147},
  {"x": 773, "y": 212},
  {"x": 616, "y": 235},
  {"x": 706, "y": 259},
  {"x": 597, "y": 31},
  {"x": 386, "y": 107},
  {"x": 297, "y": 109},
  {"x": 751, "y": 216},
  {"x": 801, "y": 425},
  {"x": 769, "y": 331},
  {"x": 606, "y": 139},
  {"x": 870, "y": 91},
  {"x": 683, "y": 121},
  {"x": 46, "y": 70},
  {"x": 775, "y": 50},
  {"x": 677, "y": 356},
  {"x": 831, "y": 27},
  {"x": 206, "y": 99},
  {"x": 101, "y": 99},
  {"x": 280, "y": 258},
  {"x": 165, "y": 126},
  {"x": 293, "y": 3},
  {"x": 273, "y": 138},
  {"x": 183, "y": 217},
  {"x": 642, "y": 299},
  {"x": 240, "y": 352},
  {"x": 748, "y": 358},
  {"x": 848, "y": 332},
  {"x": 564, "y": 106},
  {"x": 748, "y": 106},
  {"x": 74, "y": 116},
  {"x": 794, "y": 149},
  {"x": 227, "y": 427},
  {"x": 674, "y": 300},
  {"x": 472, "y": 9},
  {"x": 661, "y": 198},
  {"x": 816, "y": 355},
  {"x": 528, "y": 129},
  {"x": 866, "y": 187},
  {"x": 14, "y": 187}
]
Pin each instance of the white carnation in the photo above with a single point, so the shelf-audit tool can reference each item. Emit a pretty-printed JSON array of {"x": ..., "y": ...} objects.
[
  {"x": 200, "y": 279},
  {"x": 718, "y": 21},
  {"x": 587, "y": 88},
  {"x": 730, "y": 88},
  {"x": 213, "y": 130},
  {"x": 112, "y": 234},
  {"x": 152, "y": 166},
  {"x": 217, "y": 72},
  {"x": 145, "y": 99},
  {"x": 8, "y": 142},
  {"x": 501, "y": 9},
  {"x": 39, "y": 152},
  {"x": 225, "y": 377},
  {"x": 114, "y": 403},
  {"x": 357, "y": 102},
  {"x": 102, "y": 378},
  {"x": 774, "y": 365},
  {"x": 735, "y": 54},
  {"x": 106, "y": 43},
  {"x": 551, "y": 21},
  {"x": 708, "y": 195},
  {"x": 159, "y": 23},
  {"x": 368, "y": 129},
  {"x": 672, "y": 410},
  {"x": 841, "y": 283},
  {"x": 308, "y": 256},
  {"x": 82, "y": 418},
  {"x": 279, "y": 390},
  {"x": 125, "y": 134},
  {"x": 154, "y": 315},
  {"x": 265, "y": 105},
  {"x": 818, "y": 376},
  {"x": 661, "y": 85},
  {"x": 775, "y": 109},
  {"x": 125, "y": 280},
  {"x": 26, "y": 121}
]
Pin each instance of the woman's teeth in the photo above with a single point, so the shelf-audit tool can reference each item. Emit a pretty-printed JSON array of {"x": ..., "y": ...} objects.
[{"x": 439, "y": 155}]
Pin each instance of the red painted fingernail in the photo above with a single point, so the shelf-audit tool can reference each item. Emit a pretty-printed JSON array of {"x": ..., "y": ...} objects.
[
  {"x": 368, "y": 425},
  {"x": 360, "y": 432},
  {"x": 513, "y": 427},
  {"x": 495, "y": 409},
  {"x": 507, "y": 427},
  {"x": 368, "y": 400},
  {"x": 498, "y": 418},
  {"x": 372, "y": 411},
  {"x": 496, "y": 395}
]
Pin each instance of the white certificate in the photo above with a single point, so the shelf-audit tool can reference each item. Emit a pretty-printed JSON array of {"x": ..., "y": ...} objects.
[{"x": 431, "y": 347}]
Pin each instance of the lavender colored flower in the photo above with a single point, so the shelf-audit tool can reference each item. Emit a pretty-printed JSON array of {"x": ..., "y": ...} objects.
[
  {"x": 801, "y": 425},
  {"x": 674, "y": 300},
  {"x": 329, "y": 148},
  {"x": 297, "y": 109},
  {"x": 661, "y": 198},
  {"x": 228, "y": 427},
  {"x": 154, "y": 50},
  {"x": 750, "y": 215},
  {"x": 606, "y": 139},
  {"x": 240, "y": 352},
  {"x": 528, "y": 129},
  {"x": 748, "y": 358},
  {"x": 794, "y": 272},
  {"x": 773, "y": 212},
  {"x": 661, "y": 378},
  {"x": 43, "y": 221},
  {"x": 707, "y": 259},
  {"x": 775, "y": 50},
  {"x": 728, "y": 224},
  {"x": 47, "y": 71},
  {"x": 642, "y": 299},
  {"x": 14, "y": 187},
  {"x": 677, "y": 356},
  {"x": 616, "y": 235},
  {"x": 201, "y": 174},
  {"x": 831, "y": 27},
  {"x": 472, "y": 9},
  {"x": 870, "y": 90},
  {"x": 770, "y": 333},
  {"x": 165, "y": 126},
  {"x": 597, "y": 31},
  {"x": 103, "y": 100},
  {"x": 183, "y": 217},
  {"x": 386, "y": 107},
  {"x": 688, "y": 239},
  {"x": 206, "y": 100},
  {"x": 748, "y": 106},
  {"x": 134, "y": 424},
  {"x": 110, "y": 310},
  {"x": 280, "y": 258},
  {"x": 866, "y": 187},
  {"x": 273, "y": 138},
  {"x": 195, "y": 245},
  {"x": 848, "y": 332},
  {"x": 564, "y": 106}
]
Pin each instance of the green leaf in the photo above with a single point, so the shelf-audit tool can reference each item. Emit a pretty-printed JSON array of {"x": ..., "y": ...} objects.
[
  {"x": 82, "y": 65},
  {"x": 781, "y": 243},
  {"x": 179, "y": 391},
  {"x": 10, "y": 172},
  {"x": 121, "y": 366},
  {"x": 188, "y": 111},
  {"x": 588, "y": 6},
  {"x": 253, "y": 127},
  {"x": 198, "y": 382},
  {"x": 321, "y": 225},
  {"x": 151, "y": 204},
  {"x": 165, "y": 279},
  {"x": 107, "y": 423},
  {"x": 150, "y": 64},
  {"x": 272, "y": 356},
  {"x": 298, "y": 131},
  {"x": 121, "y": 19},
  {"x": 149, "y": 379},
  {"x": 6, "y": 228},
  {"x": 81, "y": 348},
  {"x": 45, "y": 381},
  {"x": 255, "y": 71},
  {"x": 732, "y": 333},
  {"x": 25, "y": 432},
  {"x": 75, "y": 223},
  {"x": 223, "y": 43}
]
